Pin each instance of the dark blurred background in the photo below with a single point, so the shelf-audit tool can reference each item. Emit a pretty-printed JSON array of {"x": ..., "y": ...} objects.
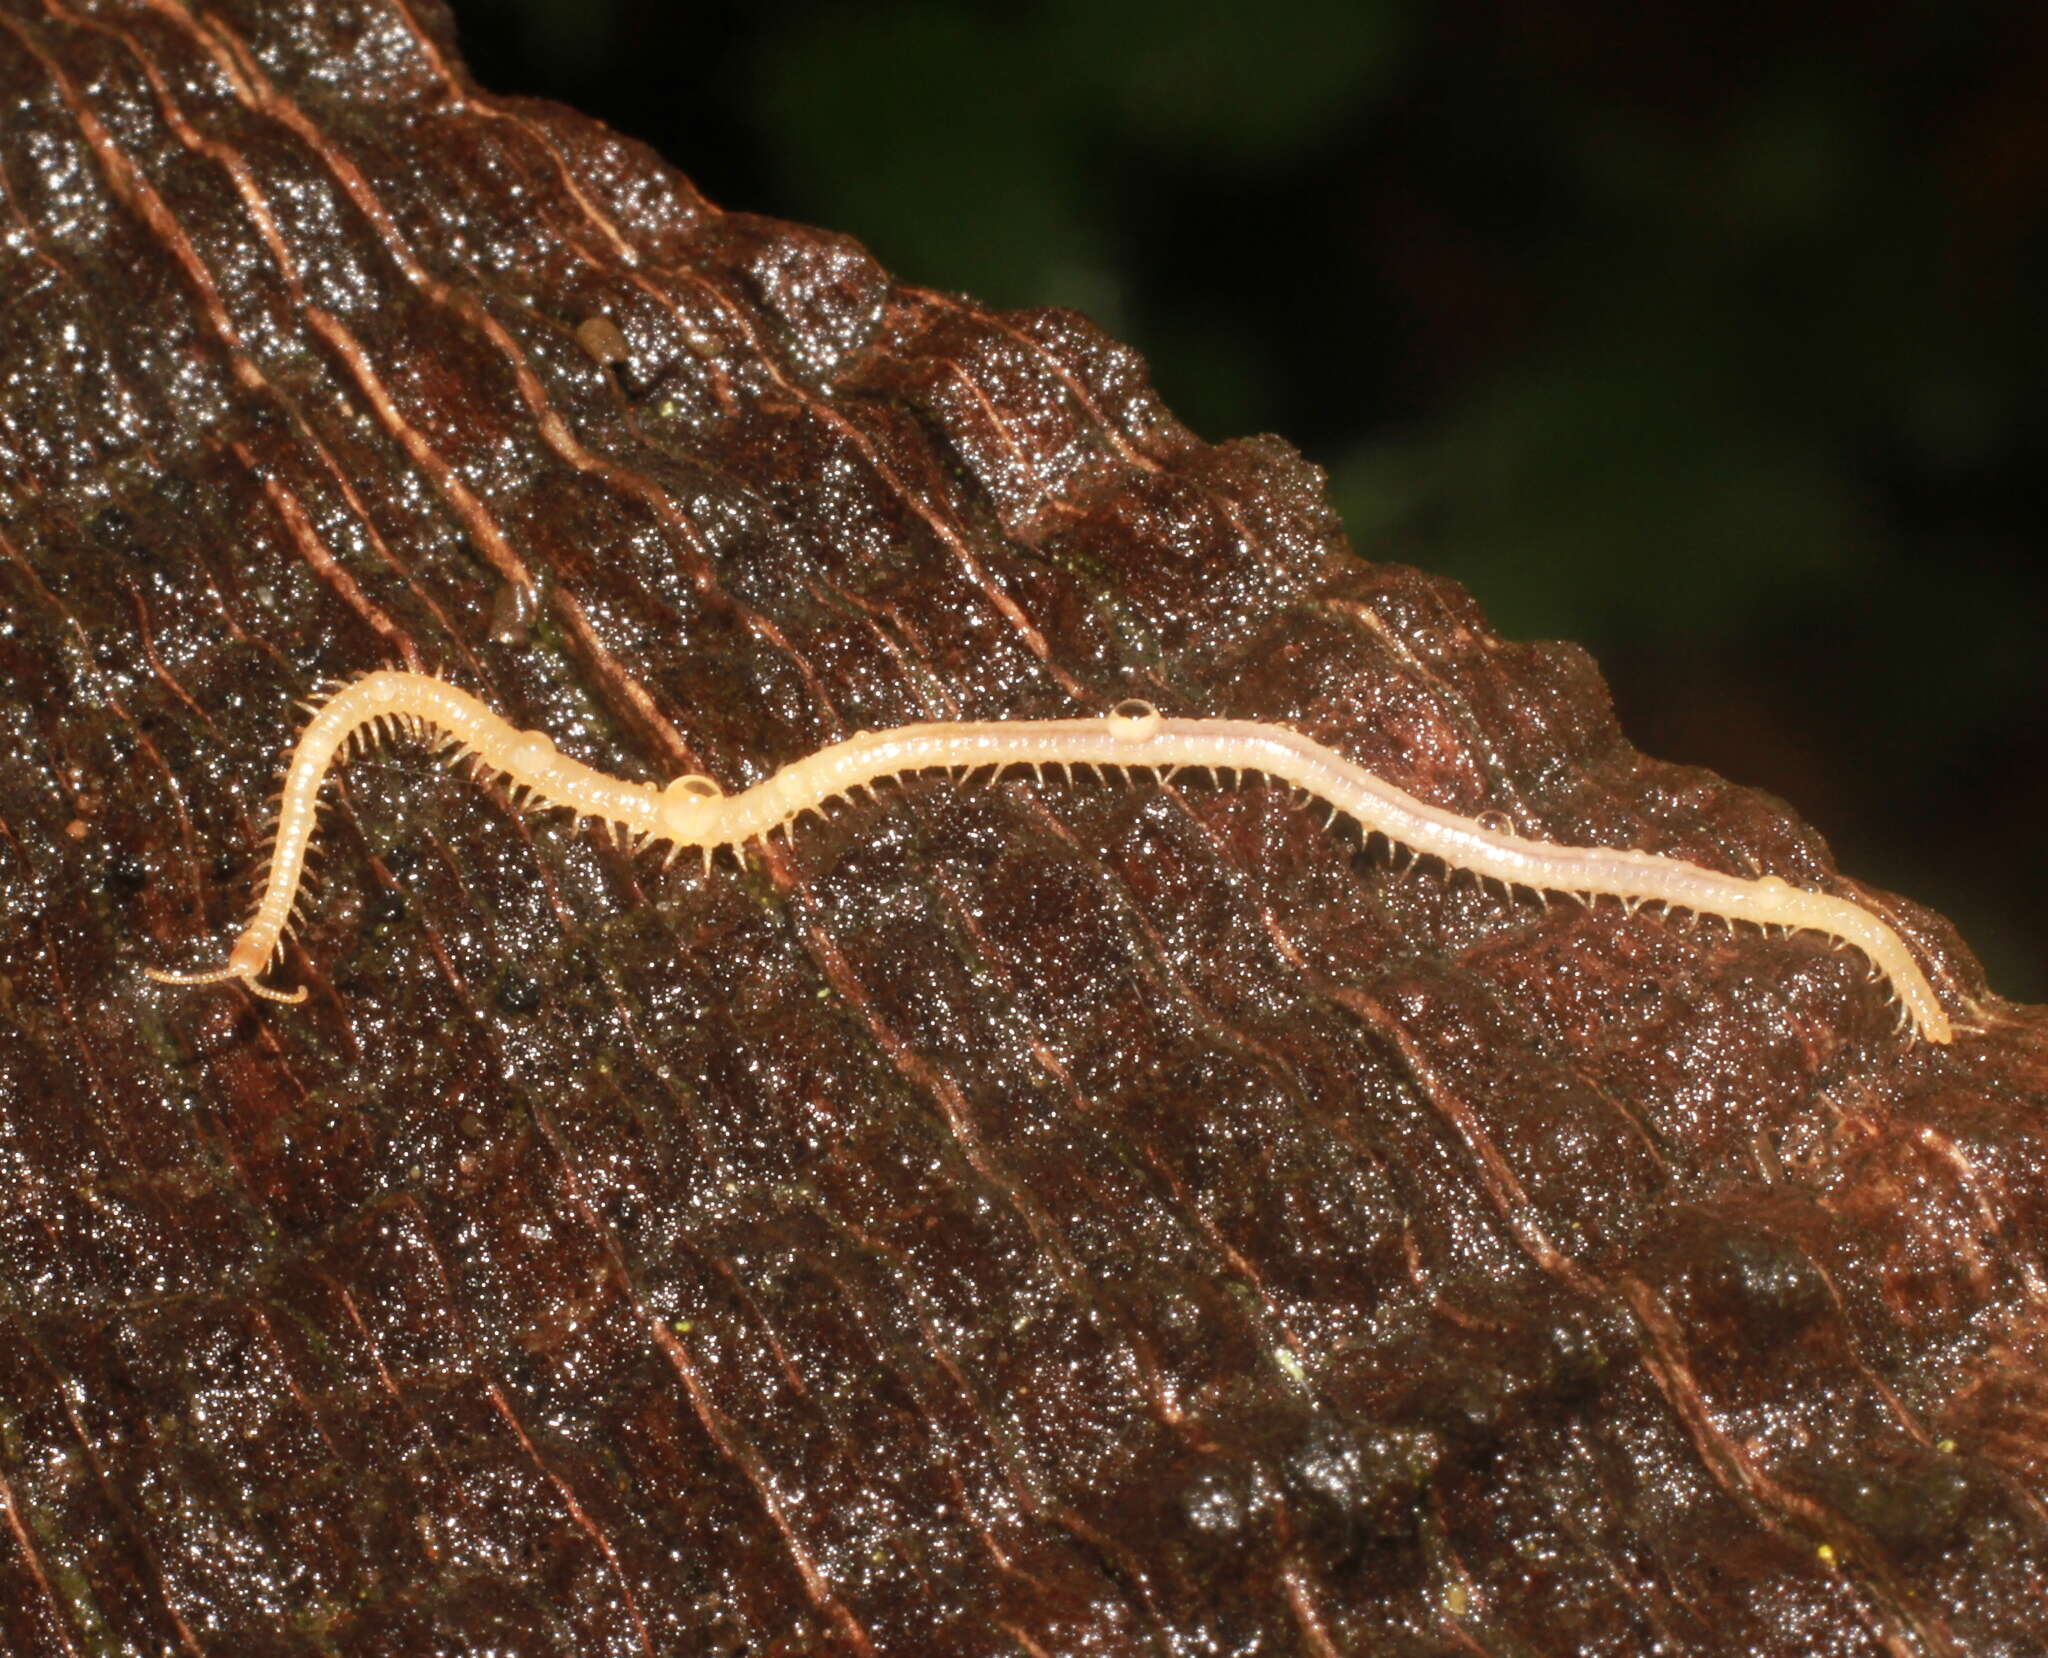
[{"x": 1705, "y": 335}]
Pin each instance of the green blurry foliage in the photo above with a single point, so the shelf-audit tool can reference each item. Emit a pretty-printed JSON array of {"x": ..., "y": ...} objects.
[{"x": 1015, "y": 204}]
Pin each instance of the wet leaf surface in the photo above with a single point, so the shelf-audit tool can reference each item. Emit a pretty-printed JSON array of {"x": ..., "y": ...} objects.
[{"x": 1042, "y": 1219}]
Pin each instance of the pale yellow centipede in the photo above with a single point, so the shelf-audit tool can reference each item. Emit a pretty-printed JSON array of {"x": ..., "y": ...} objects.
[{"x": 695, "y": 812}]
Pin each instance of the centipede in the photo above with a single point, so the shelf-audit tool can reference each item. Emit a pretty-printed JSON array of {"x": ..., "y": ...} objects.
[{"x": 695, "y": 813}]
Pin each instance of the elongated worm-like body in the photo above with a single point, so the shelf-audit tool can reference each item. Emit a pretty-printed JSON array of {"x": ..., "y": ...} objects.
[{"x": 695, "y": 812}]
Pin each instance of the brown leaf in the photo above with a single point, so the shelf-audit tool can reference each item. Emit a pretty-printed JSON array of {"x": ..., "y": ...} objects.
[{"x": 1039, "y": 1219}]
